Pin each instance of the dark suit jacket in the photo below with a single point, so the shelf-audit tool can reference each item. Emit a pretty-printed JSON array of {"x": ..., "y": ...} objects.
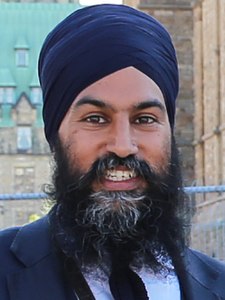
[{"x": 31, "y": 270}]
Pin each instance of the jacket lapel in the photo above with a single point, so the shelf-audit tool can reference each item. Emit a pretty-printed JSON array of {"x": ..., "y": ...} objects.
[
  {"x": 204, "y": 277},
  {"x": 41, "y": 271},
  {"x": 40, "y": 276}
]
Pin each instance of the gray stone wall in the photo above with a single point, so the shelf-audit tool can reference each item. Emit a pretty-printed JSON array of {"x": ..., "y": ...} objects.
[
  {"x": 23, "y": 170},
  {"x": 23, "y": 173}
]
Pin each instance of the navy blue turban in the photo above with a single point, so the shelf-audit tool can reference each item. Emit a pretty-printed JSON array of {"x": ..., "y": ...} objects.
[{"x": 96, "y": 41}]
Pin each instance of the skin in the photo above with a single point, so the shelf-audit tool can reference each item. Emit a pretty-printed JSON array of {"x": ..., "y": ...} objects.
[{"x": 123, "y": 113}]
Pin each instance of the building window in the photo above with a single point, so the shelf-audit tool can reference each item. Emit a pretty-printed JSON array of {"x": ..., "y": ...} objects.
[
  {"x": 36, "y": 95},
  {"x": 7, "y": 95},
  {"x": 22, "y": 57},
  {"x": 24, "y": 179},
  {"x": 24, "y": 139}
]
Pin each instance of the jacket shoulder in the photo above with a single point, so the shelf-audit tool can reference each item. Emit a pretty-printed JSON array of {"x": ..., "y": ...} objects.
[
  {"x": 22, "y": 246},
  {"x": 8, "y": 261},
  {"x": 209, "y": 261},
  {"x": 7, "y": 258},
  {"x": 6, "y": 238},
  {"x": 7, "y": 235},
  {"x": 206, "y": 275}
]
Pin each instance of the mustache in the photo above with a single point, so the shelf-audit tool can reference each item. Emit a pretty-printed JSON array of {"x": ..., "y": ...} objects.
[{"x": 111, "y": 161}]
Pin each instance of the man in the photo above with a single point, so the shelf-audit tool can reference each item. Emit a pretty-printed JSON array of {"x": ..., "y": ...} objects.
[{"x": 119, "y": 225}]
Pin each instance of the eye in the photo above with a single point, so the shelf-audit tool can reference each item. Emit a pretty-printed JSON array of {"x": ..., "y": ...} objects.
[
  {"x": 96, "y": 119},
  {"x": 145, "y": 120}
]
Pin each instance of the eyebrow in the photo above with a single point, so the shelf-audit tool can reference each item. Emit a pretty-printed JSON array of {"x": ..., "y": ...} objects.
[
  {"x": 102, "y": 104},
  {"x": 91, "y": 101},
  {"x": 150, "y": 103}
]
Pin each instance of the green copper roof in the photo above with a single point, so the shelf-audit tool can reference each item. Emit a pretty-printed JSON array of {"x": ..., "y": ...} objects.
[
  {"x": 35, "y": 80},
  {"x": 6, "y": 78},
  {"x": 24, "y": 26},
  {"x": 21, "y": 43}
]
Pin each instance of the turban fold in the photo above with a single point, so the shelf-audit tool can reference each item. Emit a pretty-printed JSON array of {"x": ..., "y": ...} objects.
[{"x": 96, "y": 41}]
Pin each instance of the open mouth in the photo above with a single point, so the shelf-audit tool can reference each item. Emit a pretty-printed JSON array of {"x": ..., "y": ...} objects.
[{"x": 120, "y": 175}]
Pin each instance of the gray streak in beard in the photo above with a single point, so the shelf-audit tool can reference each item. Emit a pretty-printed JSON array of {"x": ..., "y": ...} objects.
[{"x": 114, "y": 214}]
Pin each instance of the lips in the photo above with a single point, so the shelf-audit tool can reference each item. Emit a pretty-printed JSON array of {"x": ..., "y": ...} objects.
[
  {"x": 120, "y": 175},
  {"x": 119, "y": 178}
]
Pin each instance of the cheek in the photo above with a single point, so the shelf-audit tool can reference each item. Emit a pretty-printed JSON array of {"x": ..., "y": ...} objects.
[
  {"x": 165, "y": 155},
  {"x": 83, "y": 151},
  {"x": 158, "y": 152}
]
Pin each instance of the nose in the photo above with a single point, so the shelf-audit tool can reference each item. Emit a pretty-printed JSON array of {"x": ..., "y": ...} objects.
[{"x": 121, "y": 140}]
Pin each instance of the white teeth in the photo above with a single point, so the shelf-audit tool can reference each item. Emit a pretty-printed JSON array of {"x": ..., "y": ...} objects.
[{"x": 115, "y": 175}]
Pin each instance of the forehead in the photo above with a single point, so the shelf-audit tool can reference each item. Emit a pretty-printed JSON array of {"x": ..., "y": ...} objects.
[{"x": 124, "y": 88}]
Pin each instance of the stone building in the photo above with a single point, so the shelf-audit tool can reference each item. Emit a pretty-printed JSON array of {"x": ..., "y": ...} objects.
[
  {"x": 24, "y": 153},
  {"x": 209, "y": 116}
]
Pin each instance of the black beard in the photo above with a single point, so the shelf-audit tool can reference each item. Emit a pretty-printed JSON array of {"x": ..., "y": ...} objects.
[{"x": 147, "y": 223}]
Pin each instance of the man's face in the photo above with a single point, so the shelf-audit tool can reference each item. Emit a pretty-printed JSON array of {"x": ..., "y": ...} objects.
[
  {"x": 117, "y": 182},
  {"x": 122, "y": 114}
]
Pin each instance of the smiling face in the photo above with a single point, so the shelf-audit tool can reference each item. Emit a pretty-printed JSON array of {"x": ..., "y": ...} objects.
[
  {"x": 117, "y": 183},
  {"x": 123, "y": 114}
]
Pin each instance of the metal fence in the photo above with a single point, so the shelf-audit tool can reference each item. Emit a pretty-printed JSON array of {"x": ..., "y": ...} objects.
[{"x": 208, "y": 225}]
